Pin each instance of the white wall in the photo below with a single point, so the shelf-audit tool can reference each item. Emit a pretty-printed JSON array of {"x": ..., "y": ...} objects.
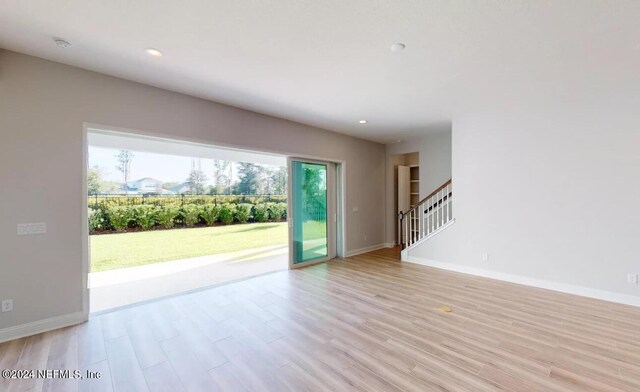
[
  {"x": 43, "y": 107},
  {"x": 434, "y": 153},
  {"x": 549, "y": 196}
]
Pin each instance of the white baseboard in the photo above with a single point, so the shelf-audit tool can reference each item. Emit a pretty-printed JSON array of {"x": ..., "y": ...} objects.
[
  {"x": 533, "y": 282},
  {"x": 35, "y": 327},
  {"x": 371, "y": 248}
]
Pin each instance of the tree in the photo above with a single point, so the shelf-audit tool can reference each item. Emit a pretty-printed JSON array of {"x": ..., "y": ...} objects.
[
  {"x": 278, "y": 180},
  {"x": 94, "y": 180},
  {"x": 315, "y": 190},
  {"x": 124, "y": 166},
  {"x": 196, "y": 182},
  {"x": 221, "y": 176},
  {"x": 251, "y": 178}
]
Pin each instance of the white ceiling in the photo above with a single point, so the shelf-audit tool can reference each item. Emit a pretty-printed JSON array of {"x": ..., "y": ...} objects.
[{"x": 327, "y": 62}]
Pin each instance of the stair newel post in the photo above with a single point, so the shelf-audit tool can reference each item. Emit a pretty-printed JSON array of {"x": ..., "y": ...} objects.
[{"x": 400, "y": 229}]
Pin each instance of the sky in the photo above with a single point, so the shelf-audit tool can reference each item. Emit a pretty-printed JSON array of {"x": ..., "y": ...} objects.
[{"x": 162, "y": 167}]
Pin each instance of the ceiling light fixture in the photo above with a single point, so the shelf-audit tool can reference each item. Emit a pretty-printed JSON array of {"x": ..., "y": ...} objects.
[
  {"x": 61, "y": 43},
  {"x": 154, "y": 52},
  {"x": 398, "y": 47},
  {"x": 362, "y": 121}
]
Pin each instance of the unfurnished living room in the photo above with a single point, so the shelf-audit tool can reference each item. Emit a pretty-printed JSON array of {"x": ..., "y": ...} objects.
[{"x": 298, "y": 195}]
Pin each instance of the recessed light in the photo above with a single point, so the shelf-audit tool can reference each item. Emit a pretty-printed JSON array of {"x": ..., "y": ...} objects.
[
  {"x": 398, "y": 47},
  {"x": 362, "y": 121},
  {"x": 61, "y": 43},
  {"x": 154, "y": 52},
  {"x": 399, "y": 141}
]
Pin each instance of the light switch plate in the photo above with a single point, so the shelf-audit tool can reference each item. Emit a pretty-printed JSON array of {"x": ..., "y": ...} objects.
[{"x": 32, "y": 228}]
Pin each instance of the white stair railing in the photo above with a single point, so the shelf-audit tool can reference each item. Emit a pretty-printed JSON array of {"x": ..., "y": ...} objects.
[{"x": 427, "y": 217}]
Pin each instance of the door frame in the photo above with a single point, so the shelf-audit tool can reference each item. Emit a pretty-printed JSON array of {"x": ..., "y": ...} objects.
[
  {"x": 335, "y": 213},
  {"x": 341, "y": 169}
]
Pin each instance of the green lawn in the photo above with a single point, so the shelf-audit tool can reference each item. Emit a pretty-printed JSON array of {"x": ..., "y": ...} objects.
[{"x": 111, "y": 251}]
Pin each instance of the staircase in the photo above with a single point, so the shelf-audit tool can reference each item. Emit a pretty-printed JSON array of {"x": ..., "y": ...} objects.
[{"x": 431, "y": 215}]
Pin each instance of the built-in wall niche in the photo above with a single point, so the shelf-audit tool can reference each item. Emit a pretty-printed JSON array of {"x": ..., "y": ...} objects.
[
  {"x": 414, "y": 185},
  {"x": 407, "y": 183}
]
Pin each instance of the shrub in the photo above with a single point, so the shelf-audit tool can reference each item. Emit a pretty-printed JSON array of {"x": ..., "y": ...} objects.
[
  {"x": 97, "y": 220},
  {"x": 145, "y": 216},
  {"x": 210, "y": 214},
  {"x": 227, "y": 211},
  {"x": 260, "y": 213},
  {"x": 243, "y": 213},
  {"x": 178, "y": 200},
  {"x": 119, "y": 217},
  {"x": 277, "y": 211},
  {"x": 165, "y": 216},
  {"x": 190, "y": 214}
]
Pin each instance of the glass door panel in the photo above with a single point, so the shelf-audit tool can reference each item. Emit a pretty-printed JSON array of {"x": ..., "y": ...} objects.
[{"x": 311, "y": 203}]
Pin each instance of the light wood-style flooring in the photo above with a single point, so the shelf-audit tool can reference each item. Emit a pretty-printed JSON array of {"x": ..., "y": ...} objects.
[{"x": 368, "y": 323}]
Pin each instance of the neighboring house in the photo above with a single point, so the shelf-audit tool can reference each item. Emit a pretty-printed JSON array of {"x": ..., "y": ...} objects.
[{"x": 143, "y": 186}]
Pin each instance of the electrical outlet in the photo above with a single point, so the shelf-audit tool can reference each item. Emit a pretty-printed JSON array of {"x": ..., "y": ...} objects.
[
  {"x": 7, "y": 305},
  {"x": 365, "y": 237},
  {"x": 485, "y": 257},
  {"x": 632, "y": 278}
]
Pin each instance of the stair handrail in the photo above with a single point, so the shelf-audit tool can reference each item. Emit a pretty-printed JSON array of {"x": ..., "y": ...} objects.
[
  {"x": 438, "y": 189},
  {"x": 420, "y": 222}
]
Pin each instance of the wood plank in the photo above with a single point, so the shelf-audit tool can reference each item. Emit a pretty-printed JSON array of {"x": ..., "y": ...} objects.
[
  {"x": 192, "y": 374},
  {"x": 162, "y": 378},
  {"x": 145, "y": 344},
  {"x": 102, "y": 384},
  {"x": 63, "y": 355},
  {"x": 125, "y": 369}
]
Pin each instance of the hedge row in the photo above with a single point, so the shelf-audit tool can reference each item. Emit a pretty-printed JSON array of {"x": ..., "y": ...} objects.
[
  {"x": 147, "y": 217},
  {"x": 96, "y": 201}
]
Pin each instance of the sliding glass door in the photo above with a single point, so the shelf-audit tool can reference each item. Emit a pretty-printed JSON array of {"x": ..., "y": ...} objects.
[{"x": 312, "y": 219}]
